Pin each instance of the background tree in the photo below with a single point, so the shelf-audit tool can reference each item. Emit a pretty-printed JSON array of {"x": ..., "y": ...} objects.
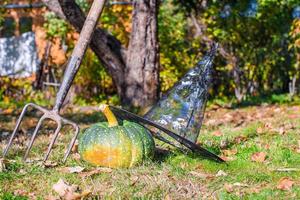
[
  {"x": 134, "y": 69},
  {"x": 253, "y": 37},
  {"x": 294, "y": 46},
  {"x": 258, "y": 48}
]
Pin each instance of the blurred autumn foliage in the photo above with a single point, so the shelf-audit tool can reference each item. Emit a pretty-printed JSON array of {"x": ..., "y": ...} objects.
[{"x": 259, "y": 49}]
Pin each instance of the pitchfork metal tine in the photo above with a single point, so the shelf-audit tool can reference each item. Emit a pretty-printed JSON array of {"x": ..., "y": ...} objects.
[
  {"x": 69, "y": 75},
  {"x": 34, "y": 135},
  {"x": 53, "y": 141},
  {"x": 16, "y": 129},
  {"x": 72, "y": 142}
]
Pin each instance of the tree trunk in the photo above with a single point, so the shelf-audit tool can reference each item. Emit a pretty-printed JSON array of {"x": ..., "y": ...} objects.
[
  {"x": 142, "y": 64},
  {"x": 134, "y": 71},
  {"x": 239, "y": 89},
  {"x": 107, "y": 48}
]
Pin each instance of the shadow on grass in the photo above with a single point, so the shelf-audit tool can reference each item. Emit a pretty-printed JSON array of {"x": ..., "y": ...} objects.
[
  {"x": 216, "y": 148},
  {"x": 161, "y": 155}
]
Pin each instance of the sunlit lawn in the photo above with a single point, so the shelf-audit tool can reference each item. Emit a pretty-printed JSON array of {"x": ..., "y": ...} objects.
[{"x": 271, "y": 132}]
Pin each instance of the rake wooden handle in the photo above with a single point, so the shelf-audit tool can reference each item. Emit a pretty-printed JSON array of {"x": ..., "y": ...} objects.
[{"x": 78, "y": 52}]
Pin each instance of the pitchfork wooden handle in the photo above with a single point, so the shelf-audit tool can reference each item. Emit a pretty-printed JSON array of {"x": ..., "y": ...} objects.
[{"x": 78, "y": 52}]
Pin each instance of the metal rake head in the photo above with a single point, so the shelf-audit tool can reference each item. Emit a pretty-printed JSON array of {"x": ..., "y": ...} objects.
[
  {"x": 69, "y": 75},
  {"x": 47, "y": 114}
]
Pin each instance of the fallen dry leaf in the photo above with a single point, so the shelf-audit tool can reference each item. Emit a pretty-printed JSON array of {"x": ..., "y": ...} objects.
[
  {"x": 85, "y": 193},
  {"x": 268, "y": 125},
  {"x": 200, "y": 175},
  {"x": 240, "y": 139},
  {"x": 229, "y": 152},
  {"x": 89, "y": 173},
  {"x": 20, "y": 192},
  {"x": 228, "y": 116},
  {"x": 217, "y": 133},
  {"x": 221, "y": 173},
  {"x": 266, "y": 146},
  {"x": 49, "y": 164},
  {"x": 289, "y": 126},
  {"x": 285, "y": 184},
  {"x": 105, "y": 169},
  {"x": 95, "y": 171},
  {"x": 255, "y": 190},
  {"x": 60, "y": 187},
  {"x": 293, "y": 116},
  {"x": 76, "y": 169},
  {"x": 259, "y": 157},
  {"x": 22, "y": 171},
  {"x": 228, "y": 187},
  {"x": 237, "y": 184},
  {"x": 281, "y": 130},
  {"x": 259, "y": 130},
  {"x": 64, "y": 190},
  {"x": 70, "y": 195},
  {"x": 227, "y": 158},
  {"x": 24, "y": 193},
  {"x": 32, "y": 196},
  {"x": 51, "y": 197},
  {"x": 277, "y": 110}
]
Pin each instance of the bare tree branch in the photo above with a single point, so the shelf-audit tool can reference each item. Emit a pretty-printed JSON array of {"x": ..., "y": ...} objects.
[{"x": 54, "y": 6}]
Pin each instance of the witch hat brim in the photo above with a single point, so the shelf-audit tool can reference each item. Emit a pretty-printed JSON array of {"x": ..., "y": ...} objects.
[
  {"x": 179, "y": 113},
  {"x": 124, "y": 114}
]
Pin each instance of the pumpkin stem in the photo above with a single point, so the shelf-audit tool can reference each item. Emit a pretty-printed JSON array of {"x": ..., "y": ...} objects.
[{"x": 111, "y": 118}]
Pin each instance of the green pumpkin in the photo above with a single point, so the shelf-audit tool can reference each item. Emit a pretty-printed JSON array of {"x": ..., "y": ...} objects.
[{"x": 112, "y": 145}]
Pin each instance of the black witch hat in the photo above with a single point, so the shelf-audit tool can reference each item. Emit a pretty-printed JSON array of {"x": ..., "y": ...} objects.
[{"x": 179, "y": 113}]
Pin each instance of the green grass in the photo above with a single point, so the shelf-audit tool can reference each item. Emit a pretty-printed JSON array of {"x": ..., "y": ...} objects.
[
  {"x": 10, "y": 196},
  {"x": 177, "y": 175},
  {"x": 267, "y": 98}
]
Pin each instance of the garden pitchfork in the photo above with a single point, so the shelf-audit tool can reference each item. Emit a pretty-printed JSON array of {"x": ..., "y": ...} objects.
[{"x": 71, "y": 70}]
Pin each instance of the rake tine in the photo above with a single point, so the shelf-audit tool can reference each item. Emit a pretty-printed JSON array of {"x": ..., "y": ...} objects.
[
  {"x": 72, "y": 142},
  {"x": 34, "y": 135},
  {"x": 38, "y": 107},
  {"x": 52, "y": 141},
  {"x": 16, "y": 129},
  {"x": 69, "y": 75}
]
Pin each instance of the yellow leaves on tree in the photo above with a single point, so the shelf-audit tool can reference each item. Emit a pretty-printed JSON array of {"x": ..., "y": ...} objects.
[{"x": 117, "y": 19}]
